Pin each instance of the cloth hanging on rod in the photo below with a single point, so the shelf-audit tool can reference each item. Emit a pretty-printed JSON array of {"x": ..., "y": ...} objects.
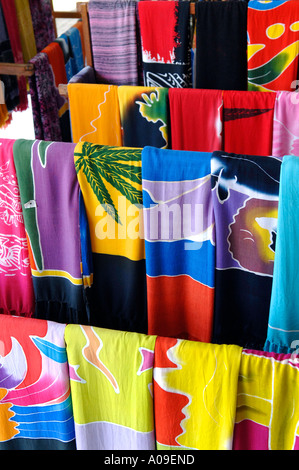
[
  {"x": 94, "y": 112},
  {"x": 179, "y": 243},
  {"x": 165, "y": 39},
  {"x": 110, "y": 181},
  {"x": 114, "y": 44},
  {"x": 273, "y": 45},
  {"x": 63, "y": 43},
  {"x": 26, "y": 29},
  {"x": 79, "y": 26},
  {"x": 86, "y": 75},
  {"x": 49, "y": 192},
  {"x": 123, "y": 418},
  {"x": 56, "y": 60},
  {"x": 196, "y": 119},
  {"x": 73, "y": 39},
  {"x": 221, "y": 45},
  {"x": 195, "y": 391},
  {"x": 248, "y": 122},
  {"x": 144, "y": 113},
  {"x": 286, "y": 124},
  {"x": 42, "y": 22},
  {"x": 267, "y": 404},
  {"x": 245, "y": 200},
  {"x": 16, "y": 288},
  {"x": 282, "y": 335},
  {"x": 35, "y": 399}
]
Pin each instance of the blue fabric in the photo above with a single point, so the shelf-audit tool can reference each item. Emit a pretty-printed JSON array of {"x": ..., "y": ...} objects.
[
  {"x": 283, "y": 327},
  {"x": 75, "y": 63}
]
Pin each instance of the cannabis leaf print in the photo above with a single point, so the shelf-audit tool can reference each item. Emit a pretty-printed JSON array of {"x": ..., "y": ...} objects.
[{"x": 118, "y": 166}]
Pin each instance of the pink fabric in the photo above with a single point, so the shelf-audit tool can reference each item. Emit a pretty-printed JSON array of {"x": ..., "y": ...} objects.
[
  {"x": 16, "y": 288},
  {"x": 286, "y": 124}
]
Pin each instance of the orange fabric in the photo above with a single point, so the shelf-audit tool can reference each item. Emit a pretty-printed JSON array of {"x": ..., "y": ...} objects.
[{"x": 56, "y": 60}]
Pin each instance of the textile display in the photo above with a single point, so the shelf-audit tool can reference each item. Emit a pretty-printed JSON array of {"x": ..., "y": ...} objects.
[
  {"x": 35, "y": 399},
  {"x": 267, "y": 405},
  {"x": 273, "y": 45},
  {"x": 113, "y": 33},
  {"x": 144, "y": 113},
  {"x": 165, "y": 41},
  {"x": 10, "y": 16},
  {"x": 285, "y": 125},
  {"x": 221, "y": 45},
  {"x": 245, "y": 200},
  {"x": 73, "y": 38},
  {"x": 64, "y": 44},
  {"x": 79, "y": 26},
  {"x": 94, "y": 113},
  {"x": 49, "y": 192},
  {"x": 26, "y": 30},
  {"x": 195, "y": 394},
  {"x": 110, "y": 181},
  {"x": 196, "y": 119},
  {"x": 248, "y": 122},
  {"x": 16, "y": 288},
  {"x": 45, "y": 100},
  {"x": 179, "y": 243},
  {"x": 42, "y": 21},
  {"x": 123, "y": 419},
  {"x": 283, "y": 327},
  {"x": 86, "y": 75}
]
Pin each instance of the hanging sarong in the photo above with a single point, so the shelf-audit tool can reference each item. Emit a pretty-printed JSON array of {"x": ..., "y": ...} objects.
[
  {"x": 267, "y": 404},
  {"x": 248, "y": 122},
  {"x": 165, "y": 39},
  {"x": 26, "y": 29},
  {"x": 95, "y": 116},
  {"x": 195, "y": 393},
  {"x": 179, "y": 243},
  {"x": 286, "y": 124},
  {"x": 79, "y": 26},
  {"x": 50, "y": 201},
  {"x": 110, "y": 181},
  {"x": 144, "y": 115},
  {"x": 273, "y": 44},
  {"x": 196, "y": 119},
  {"x": 221, "y": 45},
  {"x": 283, "y": 325},
  {"x": 114, "y": 43},
  {"x": 245, "y": 200},
  {"x": 16, "y": 288},
  {"x": 64, "y": 44},
  {"x": 73, "y": 38},
  {"x": 43, "y": 23},
  {"x": 35, "y": 398},
  {"x": 111, "y": 383},
  {"x": 45, "y": 100}
]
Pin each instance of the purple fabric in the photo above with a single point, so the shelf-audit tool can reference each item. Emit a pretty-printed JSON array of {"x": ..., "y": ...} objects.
[{"x": 42, "y": 21}]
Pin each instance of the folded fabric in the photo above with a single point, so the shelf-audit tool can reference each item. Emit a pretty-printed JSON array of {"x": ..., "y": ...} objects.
[
  {"x": 165, "y": 40},
  {"x": 283, "y": 328},
  {"x": 45, "y": 100},
  {"x": 248, "y": 122},
  {"x": 111, "y": 382},
  {"x": 221, "y": 45},
  {"x": 26, "y": 30},
  {"x": 113, "y": 33},
  {"x": 110, "y": 181},
  {"x": 16, "y": 288},
  {"x": 267, "y": 403},
  {"x": 86, "y": 75},
  {"x": 245, "y": 200},
  {"x": 195, "y": 394},
  {"x": 95, "y": 115},
  {"x": 179, "y": 243},
  {"x": 273, "y": 44},
  {"x": 286, "y": 124},
  {"x": 49, "y": 192},
  {"x": 43, "y": 23},
  {"x": 196, "y": 119},
  {"x": 144, "y": 116},
  {"x": 35, "y": 398}
]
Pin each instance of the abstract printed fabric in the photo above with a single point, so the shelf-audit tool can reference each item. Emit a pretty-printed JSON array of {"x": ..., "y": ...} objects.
[{"x": 123, "y": 418}]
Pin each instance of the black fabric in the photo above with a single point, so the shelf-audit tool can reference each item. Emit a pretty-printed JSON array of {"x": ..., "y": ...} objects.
[{"x": 221, "y": 45}]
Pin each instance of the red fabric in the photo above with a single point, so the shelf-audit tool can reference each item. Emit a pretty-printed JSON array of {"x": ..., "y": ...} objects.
[
  {"x": 196, "y": 119},
  {"x": 248, "y": 122},
  {"x": 56, "y": 60},
  {"x": 10, "y": 16},
  {"x": 196, "y": 301}
]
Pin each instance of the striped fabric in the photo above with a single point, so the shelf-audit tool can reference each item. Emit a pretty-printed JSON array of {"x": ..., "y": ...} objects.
[{"x": 114, "y": 45}]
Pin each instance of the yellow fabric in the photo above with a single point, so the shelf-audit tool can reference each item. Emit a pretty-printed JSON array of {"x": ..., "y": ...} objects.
[
  {"x": 26, "y": 29},
  {"x": 268, "y": 394},
  {"x": 94, "y": 112},
  {"x": 3, "y": 114}
]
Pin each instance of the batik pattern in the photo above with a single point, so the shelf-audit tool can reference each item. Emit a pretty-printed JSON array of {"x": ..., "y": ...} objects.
[
  {"x": 123, "y": 417},
  {"x": 273, "y": 44},
  {"x": 35, "y": 402}
]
